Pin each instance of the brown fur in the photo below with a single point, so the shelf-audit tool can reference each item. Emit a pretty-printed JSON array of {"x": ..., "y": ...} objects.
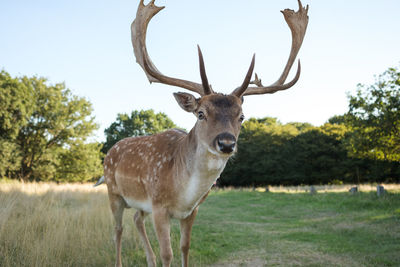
[{"x": 170, "y": 174}]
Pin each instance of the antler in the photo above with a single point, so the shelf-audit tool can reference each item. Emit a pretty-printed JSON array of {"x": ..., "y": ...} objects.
[
  {"x": 297, "y": 22},
  {"x": 138, "y": 29}
]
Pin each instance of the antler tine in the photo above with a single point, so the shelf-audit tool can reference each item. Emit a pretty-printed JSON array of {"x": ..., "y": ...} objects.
[
  {"x": 260, "y": 90},
  {"x": 206, "y": 86},
  {"x": 240, "y": 90},
  {"x": 297, "y": 22},
  {"x": 138, "y": 30}
]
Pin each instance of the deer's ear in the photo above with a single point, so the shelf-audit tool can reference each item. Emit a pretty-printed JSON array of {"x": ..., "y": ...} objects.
[{"x": 186, "y": 101}]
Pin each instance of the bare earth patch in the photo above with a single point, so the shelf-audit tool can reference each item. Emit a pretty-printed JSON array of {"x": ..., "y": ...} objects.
[
  {"x": 248, "y": 258},
  {"x": 286, "y": 253}
]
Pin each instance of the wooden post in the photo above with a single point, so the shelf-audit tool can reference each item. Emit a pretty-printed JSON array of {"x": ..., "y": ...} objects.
[
  {"x": 353, "y": 190},
  {"x": 380, "y": 190},
  {"x": 313, "y": 190}
]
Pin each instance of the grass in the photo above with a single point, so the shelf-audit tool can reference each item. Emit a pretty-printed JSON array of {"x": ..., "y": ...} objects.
[{"x": 71, "y": 225}]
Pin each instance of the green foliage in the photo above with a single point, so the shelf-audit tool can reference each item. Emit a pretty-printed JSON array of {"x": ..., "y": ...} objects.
[
  {"x": 270, "y": 153},
  {"x": 10, "y": 157},
  {"x": 144, "y": 122},
  {"x": 260, "y": 158},
  {"x": 17, "y": 104},
  {"x": 374, "y": 115},
  {"x": 41, "y": 126},
  {"x": 79, "y": 158},
  {"x": 314, "y": 157}
]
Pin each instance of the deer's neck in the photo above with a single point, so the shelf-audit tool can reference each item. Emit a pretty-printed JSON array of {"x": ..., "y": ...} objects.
[
  {"x": 198, "y": 158},
  {"x": 200, "y": 168}
]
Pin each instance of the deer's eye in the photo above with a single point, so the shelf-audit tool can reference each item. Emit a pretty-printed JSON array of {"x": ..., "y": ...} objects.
[
  {"x": 241, "y": 118},
  {"x": 201, "y": 115}
]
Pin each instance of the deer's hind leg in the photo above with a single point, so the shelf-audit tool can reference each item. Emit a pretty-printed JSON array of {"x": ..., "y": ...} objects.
[
  {"x": 117, "y": 204},
  {"x": 139, "y": 222}
]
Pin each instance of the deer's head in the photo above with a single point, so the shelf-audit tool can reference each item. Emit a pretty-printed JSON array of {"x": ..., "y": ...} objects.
[{"x": 219, "y": 116}]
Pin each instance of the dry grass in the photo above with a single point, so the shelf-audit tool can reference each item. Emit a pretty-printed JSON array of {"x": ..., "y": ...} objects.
[
  {"x": 43, "y": 224},
  {"x": 46, "y": 224}
]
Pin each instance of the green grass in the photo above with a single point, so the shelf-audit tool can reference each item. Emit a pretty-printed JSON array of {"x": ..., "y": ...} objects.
[
  {"x": 71, "y": 225},
  {"x": 334, "y": 229}
]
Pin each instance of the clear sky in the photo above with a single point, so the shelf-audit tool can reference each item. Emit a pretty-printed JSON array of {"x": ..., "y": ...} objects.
[{"x": 86, "y": 44}]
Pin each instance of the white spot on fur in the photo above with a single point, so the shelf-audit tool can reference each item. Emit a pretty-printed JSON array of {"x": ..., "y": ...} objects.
[
  {"x": 192, "y": 186},
  {"x": 140, "y": 205},
  {"x": 113, "y": 187},
  {"x": 216, "y": 163}
]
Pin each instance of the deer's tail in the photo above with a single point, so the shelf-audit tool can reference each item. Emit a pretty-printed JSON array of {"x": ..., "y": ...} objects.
[{"x": 100, "y": 181}]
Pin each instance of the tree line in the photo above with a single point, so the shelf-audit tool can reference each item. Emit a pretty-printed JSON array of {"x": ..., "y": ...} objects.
[
  {"x": 271, "y": 153},
  {"x": 46, "y": 131}
]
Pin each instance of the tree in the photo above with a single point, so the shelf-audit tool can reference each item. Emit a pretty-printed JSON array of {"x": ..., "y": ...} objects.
[
  {"x": 316, "y": 156},
  {"x": 295, "y": 153},
  {"x": 259, "y": 158},
  {"x": 16, "y": 107},
  {"x": 82, "y": 158},
  {"x": 39, "y": 125},
  {"x": 374, "y": 115},
  {"x": 144, "y": 122}
]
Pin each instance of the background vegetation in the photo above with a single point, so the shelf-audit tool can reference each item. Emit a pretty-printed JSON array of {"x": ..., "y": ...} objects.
[
  {"x": 45, "y": 135},
  {"x": 44, "y": 132}
]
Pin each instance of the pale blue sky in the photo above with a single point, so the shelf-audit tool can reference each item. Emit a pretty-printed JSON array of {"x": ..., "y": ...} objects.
[{"x": 86, "y": 43}]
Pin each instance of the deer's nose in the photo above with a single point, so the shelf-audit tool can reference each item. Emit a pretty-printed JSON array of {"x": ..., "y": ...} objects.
[{"x": 226, "y": 142}]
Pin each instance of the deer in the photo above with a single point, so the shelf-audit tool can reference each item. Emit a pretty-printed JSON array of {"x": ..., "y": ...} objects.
[{"x": 168, "y": 175}]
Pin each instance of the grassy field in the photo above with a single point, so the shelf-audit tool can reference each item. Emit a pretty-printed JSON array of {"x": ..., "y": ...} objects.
[{"x": 71, "y": 225}]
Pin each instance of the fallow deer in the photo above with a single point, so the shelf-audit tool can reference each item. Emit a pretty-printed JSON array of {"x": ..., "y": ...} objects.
[{"x": 169, "y": 174}]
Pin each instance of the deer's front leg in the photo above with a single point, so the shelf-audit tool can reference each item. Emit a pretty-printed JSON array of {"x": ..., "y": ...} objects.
[
  {"x": 186, "y": 230},
  {"x": 162, "y": 226}
]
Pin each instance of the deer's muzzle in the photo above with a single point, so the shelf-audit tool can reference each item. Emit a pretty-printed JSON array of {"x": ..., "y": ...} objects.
[{"x": 225, "y": 143}]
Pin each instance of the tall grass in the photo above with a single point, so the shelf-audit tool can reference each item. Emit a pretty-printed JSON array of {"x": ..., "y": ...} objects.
[
  {"x": 51, "y": 225},
  {"x": 45, "y": 224}
]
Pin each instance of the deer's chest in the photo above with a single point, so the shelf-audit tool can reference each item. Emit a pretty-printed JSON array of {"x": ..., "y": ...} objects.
[{"x": 198, "y": 184}]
